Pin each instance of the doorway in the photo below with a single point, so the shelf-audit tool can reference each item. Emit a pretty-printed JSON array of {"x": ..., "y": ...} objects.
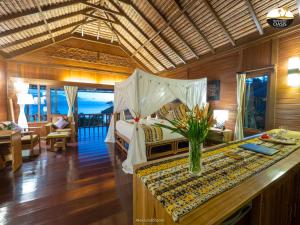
[{"x": 94, "y": 109}]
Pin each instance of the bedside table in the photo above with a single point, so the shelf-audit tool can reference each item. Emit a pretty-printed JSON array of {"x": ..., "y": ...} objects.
[{"x": 218, "y": 136}]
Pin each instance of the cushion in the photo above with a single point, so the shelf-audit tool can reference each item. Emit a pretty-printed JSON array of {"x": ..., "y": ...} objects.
[
  {"x": 61, "y": 123},
  {"x": 8, "y": 125},
  {"x": 27, "y": 139},
  {"x": 180, "y": 111},
  {"x": 162, "y": 112}
]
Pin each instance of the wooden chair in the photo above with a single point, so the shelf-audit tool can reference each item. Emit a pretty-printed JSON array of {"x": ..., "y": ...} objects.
[
  {"x": 50, "y": 128},
  {"x": 30, "y": 139}
]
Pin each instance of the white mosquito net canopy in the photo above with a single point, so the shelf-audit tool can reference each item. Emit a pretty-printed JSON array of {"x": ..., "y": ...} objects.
[{"x": 143, "y": 94}]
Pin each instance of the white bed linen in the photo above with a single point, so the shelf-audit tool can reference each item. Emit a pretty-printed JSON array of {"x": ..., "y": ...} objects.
[{"x": 126, "y": 129}]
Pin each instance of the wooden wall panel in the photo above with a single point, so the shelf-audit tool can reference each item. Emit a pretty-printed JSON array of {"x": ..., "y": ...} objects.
[
  {"x": 287, "y": 105},
  {"x": 3, "y": 93},
  {"x": 258, "y": 56},
  {"x": 287, "y": 110},
  {"x": 223, "y": 69}
]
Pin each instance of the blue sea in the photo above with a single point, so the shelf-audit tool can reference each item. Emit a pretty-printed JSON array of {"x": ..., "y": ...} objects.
[{"x": 88, "y": 103}]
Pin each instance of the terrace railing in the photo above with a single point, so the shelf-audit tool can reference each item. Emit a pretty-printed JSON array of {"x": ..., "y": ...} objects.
[{"x": 93, "y": 120}]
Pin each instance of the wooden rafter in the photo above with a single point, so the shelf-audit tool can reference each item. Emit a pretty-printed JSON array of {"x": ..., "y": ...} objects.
[
  {"x": 298, "y": 6},
  {"x": 195, "y": 27},
  {"x": 218, "y": 20},
  {"x": 101, "y": 8},
  {"x": 38, "y": 45},
  {"x": 254, "y": 17},
  {"x": 28, "y": 12},
  {"x": 100, "y": 18},
  {"x": 30, "y": 38},
  {"x": 172, "y": 20},
  {"x": 128, "y": 43},
  {"x": 118, "y": 34},
  {"x": 138, "y": 41},
  {"x": 124, "y": 48},
  {"x": 42, "y": 16},
  {"x": 145, "y": 35},
  {"x": 40, "y": 23},
  {"x": 156, "y": 9}
]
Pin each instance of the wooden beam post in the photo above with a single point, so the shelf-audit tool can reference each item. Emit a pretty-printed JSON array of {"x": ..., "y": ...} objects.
[
  {"x": 156, "y": 9},
  {"x": 218, "y": 20},
  {"x": 254, "y": 17}
]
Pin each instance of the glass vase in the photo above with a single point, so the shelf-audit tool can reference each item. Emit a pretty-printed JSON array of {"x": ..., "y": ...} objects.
[{"x": 195, "y": 158}]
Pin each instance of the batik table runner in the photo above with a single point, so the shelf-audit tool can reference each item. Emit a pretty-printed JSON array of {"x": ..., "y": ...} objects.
[{"x": 224, "y": 168}]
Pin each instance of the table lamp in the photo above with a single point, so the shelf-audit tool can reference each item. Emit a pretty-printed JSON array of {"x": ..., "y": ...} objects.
[
  {"x": 221, "y": 116},
  {"x": 24, "y": 99}
]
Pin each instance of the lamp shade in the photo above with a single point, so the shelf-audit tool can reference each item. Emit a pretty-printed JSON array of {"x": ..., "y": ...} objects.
[
  {"x": 294, "y": 72},
  {"x": 25, "y": 99},
  {"x": 221, "y": 115}
]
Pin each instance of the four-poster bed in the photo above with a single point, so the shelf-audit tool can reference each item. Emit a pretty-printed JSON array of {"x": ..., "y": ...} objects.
[{"x": 143, "y": 94}]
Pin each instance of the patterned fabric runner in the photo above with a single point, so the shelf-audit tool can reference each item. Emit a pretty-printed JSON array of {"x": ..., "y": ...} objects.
[{"x": 179, "y": 192}]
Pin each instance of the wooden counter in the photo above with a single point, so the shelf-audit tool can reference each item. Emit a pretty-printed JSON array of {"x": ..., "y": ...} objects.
[{"x": 274, "y": 193}]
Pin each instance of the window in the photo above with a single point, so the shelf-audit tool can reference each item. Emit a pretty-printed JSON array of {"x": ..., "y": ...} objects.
[
  {"x": 256, "y": 102},
  {"x": 38, "y": 111},
  {"x": 59, "y": 103}
]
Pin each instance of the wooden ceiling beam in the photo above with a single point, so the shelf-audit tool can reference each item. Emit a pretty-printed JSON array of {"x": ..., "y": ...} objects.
[
  {"x": 145, "y": 35},
  {"x": 40, "y": 23},
  {"x": 100, "y": 18},
  {"x": 105, "y": 9},
  {"x": 218, "y": 20},
  {"x": 43, "y": 18},
  {"x": 156, "y": 9},
  {"x": 195, "y": 27},
  {"x": 128, "y": 43},
  {"x": 298, "y": 6},
  {"x": 175, "y": 17},
  {"x": 28, "y": 12},
  {"x": 38, "y": 45},
  {"x": 254, "y": 17},
  {"x": 30, "y": 38}
]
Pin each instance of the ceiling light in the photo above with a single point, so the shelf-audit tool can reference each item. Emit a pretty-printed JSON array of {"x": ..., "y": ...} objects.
[{"x": 280, "y": 18}]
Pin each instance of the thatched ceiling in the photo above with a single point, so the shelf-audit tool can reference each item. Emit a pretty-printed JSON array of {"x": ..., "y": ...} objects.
[{"x": 160, "y": 34}]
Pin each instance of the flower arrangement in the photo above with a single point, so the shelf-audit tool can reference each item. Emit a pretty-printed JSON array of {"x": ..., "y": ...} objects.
[{"x": 194, "y": 125}]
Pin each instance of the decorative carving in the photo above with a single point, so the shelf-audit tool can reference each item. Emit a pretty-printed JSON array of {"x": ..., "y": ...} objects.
[{"x": 90, "y": 56}]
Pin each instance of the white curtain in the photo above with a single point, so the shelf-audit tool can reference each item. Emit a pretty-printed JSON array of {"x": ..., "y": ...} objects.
[
  {"x": 71, "y": 92},
  {"x": 241, "y": 83},
  {"x": 143, "y": 94}
]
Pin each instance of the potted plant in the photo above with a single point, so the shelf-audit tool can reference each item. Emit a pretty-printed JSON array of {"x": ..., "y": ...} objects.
[{"x": 194, "y": 125}]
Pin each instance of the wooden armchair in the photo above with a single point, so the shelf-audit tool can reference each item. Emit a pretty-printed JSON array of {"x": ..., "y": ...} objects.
[
  {"x": 30, "y": 139},
  {"x": 69, "y": 129}
]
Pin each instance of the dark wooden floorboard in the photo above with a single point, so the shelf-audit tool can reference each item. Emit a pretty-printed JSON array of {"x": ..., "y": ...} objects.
[{"x": 84, "y": 185}]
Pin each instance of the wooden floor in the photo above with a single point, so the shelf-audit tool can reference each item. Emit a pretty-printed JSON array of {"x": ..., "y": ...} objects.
[{"x": 84, "y": 185}]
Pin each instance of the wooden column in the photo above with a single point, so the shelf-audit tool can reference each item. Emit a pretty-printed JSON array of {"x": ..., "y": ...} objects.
[{"x": 3, "y": 90}]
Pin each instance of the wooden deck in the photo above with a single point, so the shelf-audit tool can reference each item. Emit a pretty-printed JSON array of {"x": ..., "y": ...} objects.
[{"x": 84, "y": 185}]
